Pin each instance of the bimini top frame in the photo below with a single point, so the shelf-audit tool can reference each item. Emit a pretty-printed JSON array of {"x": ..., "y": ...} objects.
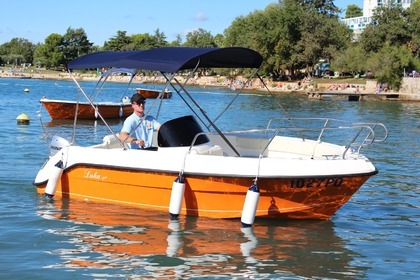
[{"x": 171, "y": 60}]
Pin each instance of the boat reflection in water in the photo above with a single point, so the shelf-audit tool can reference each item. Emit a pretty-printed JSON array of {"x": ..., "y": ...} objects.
[{"x": 115, "y": 239}]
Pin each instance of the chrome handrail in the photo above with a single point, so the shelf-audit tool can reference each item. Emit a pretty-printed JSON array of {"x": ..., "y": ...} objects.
[
  {"x": 369, "y": 138},
  {"x": 365, "y": 133}
]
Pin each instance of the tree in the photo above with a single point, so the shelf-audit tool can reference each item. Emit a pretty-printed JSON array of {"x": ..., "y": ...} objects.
[
  {"x": 199, "y": 38},
  {"x": 352, "y": 60},
  {"x": 353, "y": 11},
  {"x": 310, "y": 33},
  {"x": 323, "y": 7},
  {"x": 177, "y": 42},
  {"x": 388, "y": 64},
  {"x": 267, "y": 32},
  {"x": 387, "y": 46},
  {"x": 145, "y": 41},
  {"x": 118, "y": 42},
  {"x": 141, "y": 41},
  {"x": 49, "y": 54},
  {"x": 238, "y": 33},
  {"x": 287, "y": 21},
  {"x": 413, "y": 28},
  {"x": 160, "y": 39},
  {"x": 388, "y": 24},
  {"x": 321, "y": 37},
  {"x": 17, "y": 51},
  {"x": 75, "y": 44},
  {"x": 219, "y": 39},
  {"x": 290, "y": 34}
]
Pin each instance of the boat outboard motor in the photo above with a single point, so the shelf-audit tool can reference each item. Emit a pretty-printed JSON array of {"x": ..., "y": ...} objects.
[
  {"x": 126, "y": 100},
  {"x": 57, "y": 143}
]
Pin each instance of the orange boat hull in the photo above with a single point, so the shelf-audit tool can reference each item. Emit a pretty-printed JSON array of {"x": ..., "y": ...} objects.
[
  {"x": 66, "y": 110},
  {"x": 209, "y": 196},
  {"x": 153, "y": 94}
]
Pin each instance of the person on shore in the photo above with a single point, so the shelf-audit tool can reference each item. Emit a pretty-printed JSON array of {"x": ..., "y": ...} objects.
[{"x": 138, "y": 128}]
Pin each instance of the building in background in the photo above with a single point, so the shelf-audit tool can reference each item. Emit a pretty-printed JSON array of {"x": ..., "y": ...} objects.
[{"x": 357, "y": 24}]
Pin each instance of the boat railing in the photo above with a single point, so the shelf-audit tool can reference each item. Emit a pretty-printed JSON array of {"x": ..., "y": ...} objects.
[
  {"x": 358, "y": 135},
  {"x": 256, "y": 142}
]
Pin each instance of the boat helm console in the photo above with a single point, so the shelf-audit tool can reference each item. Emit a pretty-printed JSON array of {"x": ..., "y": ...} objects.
[{"x": 181, "y": 132}]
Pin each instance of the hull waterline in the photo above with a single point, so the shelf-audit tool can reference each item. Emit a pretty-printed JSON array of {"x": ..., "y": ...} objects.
[{"x": 210, "y": 196}]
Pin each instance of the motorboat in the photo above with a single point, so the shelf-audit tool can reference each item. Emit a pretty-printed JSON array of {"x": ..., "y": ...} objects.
[
  {"x": 285, "y": 169},
  {"x": 91, "y": 109},
  {"x": 154, "y": 93},
  {"x": 66, "y": 109}
]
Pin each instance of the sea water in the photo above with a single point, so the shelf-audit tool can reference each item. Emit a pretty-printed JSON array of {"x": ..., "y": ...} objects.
[{"x": 374, "y": 236}]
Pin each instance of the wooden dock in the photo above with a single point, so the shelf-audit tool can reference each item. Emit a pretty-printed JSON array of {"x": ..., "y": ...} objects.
[{"x": 353, "y": 96}]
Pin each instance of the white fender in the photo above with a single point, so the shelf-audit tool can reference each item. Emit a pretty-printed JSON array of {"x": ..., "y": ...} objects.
[
  {"x": 177, "y": 196},
  {"x": 250, "y": 205},
  {"x": 55, "y": 177}
]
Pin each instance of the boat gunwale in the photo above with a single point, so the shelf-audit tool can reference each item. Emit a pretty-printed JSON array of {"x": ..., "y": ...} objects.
[
  {"x": 186, "y": 174},
  {"x": 100, "y": 103}
]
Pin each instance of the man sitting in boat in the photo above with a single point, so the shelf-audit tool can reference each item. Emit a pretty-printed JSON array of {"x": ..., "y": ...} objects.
[{"x": 138, "y": 128}]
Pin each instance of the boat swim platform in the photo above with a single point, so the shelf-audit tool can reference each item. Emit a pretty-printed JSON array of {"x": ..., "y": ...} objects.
[{"x": 354, "y": 96}]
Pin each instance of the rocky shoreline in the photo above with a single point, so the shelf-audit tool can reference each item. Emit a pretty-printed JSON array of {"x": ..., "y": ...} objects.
[{"x": 410, "y": 90}]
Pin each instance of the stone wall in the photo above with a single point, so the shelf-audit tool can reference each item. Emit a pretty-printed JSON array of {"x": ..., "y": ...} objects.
[
  {"x": 371, "y": 85},
  {"x": 410, "y": 89},
  {"x": 410, "y": 86}
]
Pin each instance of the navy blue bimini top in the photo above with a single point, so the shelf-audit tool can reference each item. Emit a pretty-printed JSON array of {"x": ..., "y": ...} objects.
[{"x": 171, "y": 59}]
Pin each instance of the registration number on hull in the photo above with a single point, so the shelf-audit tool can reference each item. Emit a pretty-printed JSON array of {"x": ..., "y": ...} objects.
[{"x": 316, "y": 182}]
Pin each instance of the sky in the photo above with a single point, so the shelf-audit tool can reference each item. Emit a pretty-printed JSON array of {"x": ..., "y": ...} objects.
[{"x": 35, "y": 20}]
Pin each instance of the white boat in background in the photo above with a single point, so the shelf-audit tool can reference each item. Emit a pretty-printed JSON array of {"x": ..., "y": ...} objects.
[{"x": 284, "y": 171}]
